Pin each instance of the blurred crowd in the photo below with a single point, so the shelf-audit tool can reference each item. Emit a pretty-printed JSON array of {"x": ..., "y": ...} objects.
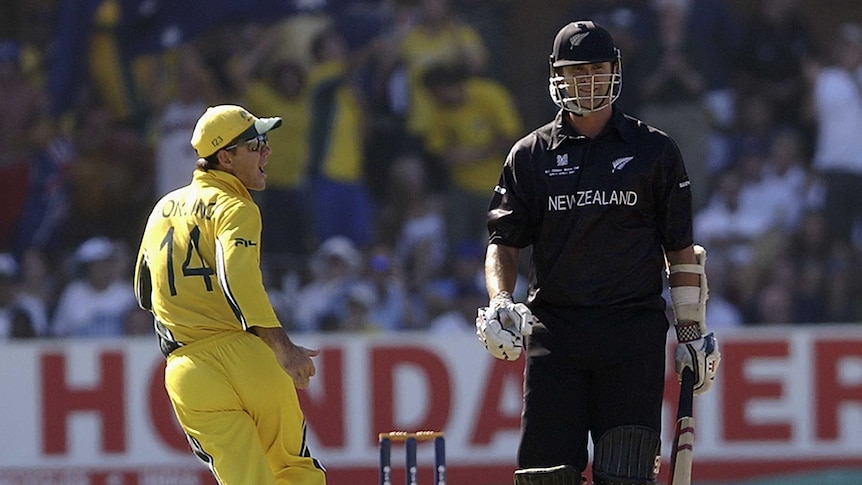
[{"x": 393, "y": 138}]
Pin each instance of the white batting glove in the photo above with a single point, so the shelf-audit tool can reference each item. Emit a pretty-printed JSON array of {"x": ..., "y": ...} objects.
[
  {"x": 702, "y": 356},
  {"x": 502, "y": 325},
  {"x": 515, "y": 316},
  {"x": 503, "y": 343}
]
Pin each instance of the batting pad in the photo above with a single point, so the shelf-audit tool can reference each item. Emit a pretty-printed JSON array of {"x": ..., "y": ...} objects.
[{"x": 557, "y": 475}]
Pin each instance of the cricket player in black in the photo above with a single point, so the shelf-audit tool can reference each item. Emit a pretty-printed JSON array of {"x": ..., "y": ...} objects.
[{"x": 604, "y": 201}]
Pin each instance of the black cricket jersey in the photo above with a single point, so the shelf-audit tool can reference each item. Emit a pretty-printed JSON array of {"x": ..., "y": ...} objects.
[{"x": 599, "y": 212}]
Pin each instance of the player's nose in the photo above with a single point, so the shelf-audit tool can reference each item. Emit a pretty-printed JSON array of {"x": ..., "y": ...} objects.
[{"x": 264, "y": 155}]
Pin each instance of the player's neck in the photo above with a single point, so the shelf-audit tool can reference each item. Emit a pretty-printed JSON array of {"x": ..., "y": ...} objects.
[{"x": 591, "y": 124}]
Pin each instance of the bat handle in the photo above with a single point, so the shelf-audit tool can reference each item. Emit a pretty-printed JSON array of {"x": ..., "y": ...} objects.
[{"x": 686, "y": 394}]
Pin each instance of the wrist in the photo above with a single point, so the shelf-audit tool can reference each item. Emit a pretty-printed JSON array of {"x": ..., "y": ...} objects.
[
  {"x": 688, "y": 331},
  {"x": 501, "y": 299}
]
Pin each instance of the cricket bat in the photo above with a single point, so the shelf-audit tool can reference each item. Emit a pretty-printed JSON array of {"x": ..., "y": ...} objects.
[{"x": 683, "y": 443}]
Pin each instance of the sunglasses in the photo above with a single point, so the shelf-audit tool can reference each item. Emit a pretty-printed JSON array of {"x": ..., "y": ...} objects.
[{"x": 256, "y": 144}]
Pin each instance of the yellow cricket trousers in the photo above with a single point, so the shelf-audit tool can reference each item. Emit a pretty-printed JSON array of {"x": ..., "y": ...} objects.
[{"x": 240, "y": 411}]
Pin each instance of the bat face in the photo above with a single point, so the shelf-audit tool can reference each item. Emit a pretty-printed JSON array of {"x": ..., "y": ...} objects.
[{"x": 683, "y": 452}]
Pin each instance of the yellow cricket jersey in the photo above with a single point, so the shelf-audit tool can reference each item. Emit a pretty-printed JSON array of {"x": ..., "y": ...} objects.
[
  {"x": 198, "y": 267},
  {"x": 487, "y": 117},
  {"x": 423, "y": 48}
]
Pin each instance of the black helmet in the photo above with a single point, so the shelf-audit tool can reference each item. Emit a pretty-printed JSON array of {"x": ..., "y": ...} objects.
[{"x": 584, "y": 42}]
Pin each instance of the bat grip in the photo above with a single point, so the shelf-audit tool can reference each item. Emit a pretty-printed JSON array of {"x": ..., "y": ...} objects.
[{"x": 686, "y": 394}]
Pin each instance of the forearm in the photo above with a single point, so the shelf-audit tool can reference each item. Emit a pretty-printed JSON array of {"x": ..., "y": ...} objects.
[
  {"x": 683, "y": 256},
  {"x": 501, "y": 269},
  {"x": 697, "y": 349},
  {"x": 688, "y": 291},
  {"x": 275, "y": 337},
  {"x": 502, "y": 324}
]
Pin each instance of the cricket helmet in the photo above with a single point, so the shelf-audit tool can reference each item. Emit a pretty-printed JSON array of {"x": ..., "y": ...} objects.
[{"x": 579, "y": 43}]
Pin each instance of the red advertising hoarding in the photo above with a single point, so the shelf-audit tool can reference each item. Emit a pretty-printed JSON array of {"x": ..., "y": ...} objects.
[{"x": 95, "y": 411}]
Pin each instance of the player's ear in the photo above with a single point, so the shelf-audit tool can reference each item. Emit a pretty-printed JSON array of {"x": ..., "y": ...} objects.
[{"x": 224, "y": 159}]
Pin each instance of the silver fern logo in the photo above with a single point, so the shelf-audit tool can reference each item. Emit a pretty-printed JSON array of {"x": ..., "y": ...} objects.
[
  {"x": 619, "y": 163},
  {"x": 576, "y": 39}
]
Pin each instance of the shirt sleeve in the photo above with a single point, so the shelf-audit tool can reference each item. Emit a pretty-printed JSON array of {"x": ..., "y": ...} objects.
[
  {"x": 512, "y": 219},
  {"x": 675, "y": 213},
  {"x": 238, "y": 266}
]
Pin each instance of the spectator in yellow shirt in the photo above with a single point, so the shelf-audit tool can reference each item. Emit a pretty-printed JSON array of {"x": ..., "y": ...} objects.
[
  {"x": 341, "y": 203},
  {"x": 474, "y": 122},
  {"x": 439, "y": 36}
]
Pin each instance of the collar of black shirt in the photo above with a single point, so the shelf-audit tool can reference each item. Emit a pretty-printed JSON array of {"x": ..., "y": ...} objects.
[{"x": 618, "y": 123}]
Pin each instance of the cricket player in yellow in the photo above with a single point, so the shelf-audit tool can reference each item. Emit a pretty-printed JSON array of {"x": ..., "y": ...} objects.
[{"x": 231, "y": 371}]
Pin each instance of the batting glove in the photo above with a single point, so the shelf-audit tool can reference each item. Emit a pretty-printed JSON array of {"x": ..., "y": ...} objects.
[
  {"x": 502, "y": 325},
  {"x": 515, "y": 316},
  {"x": 702, "y": 356},
  {"x": 501, "y": 342}
]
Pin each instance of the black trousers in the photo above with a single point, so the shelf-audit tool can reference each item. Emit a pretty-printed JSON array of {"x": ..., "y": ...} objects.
[{"x": 589, "y": 370}]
